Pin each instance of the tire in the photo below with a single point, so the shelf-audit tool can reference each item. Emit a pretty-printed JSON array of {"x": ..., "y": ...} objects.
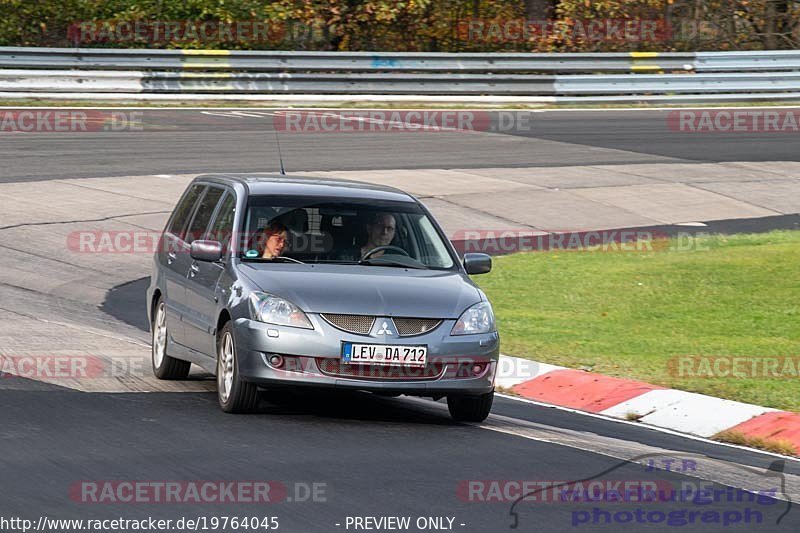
[
  {"x": 233, "y": 394},
  {"x": 165, "y": 366},
  {"x": 470, "y": 408}
]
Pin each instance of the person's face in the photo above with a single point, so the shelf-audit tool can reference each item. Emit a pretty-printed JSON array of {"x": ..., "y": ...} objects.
[
  {"x": 381, "y": 232},
  {"x": 276, "y": 243}
]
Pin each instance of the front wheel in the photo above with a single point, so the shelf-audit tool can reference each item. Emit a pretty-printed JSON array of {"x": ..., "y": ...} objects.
[
  {"x": 234, "y": 395},
  {"x": 470, "y": 408}
]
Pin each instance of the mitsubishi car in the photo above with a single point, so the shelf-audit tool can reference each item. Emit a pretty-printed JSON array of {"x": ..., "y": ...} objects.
[{"x": 268, "y": 281}]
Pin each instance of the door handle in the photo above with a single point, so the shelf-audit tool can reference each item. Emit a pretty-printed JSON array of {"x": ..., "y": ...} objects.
[
  {"x": 193, "y": 270},
  {"x": 171, "y": 257}
]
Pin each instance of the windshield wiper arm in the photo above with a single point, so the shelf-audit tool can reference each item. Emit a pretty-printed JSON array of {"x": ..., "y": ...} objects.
[
  {"x": 283, "y": 258},
  {"x": 390, "y": 263}
]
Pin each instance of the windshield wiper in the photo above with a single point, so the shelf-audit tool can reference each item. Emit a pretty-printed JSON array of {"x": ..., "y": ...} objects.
[
  {"x": 284, "y": 258},
  {"x": 391, "y": 263},
  {"x": 279, "y": 258}
]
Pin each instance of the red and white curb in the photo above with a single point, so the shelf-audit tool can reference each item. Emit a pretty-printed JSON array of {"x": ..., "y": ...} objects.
[{"x": 686, "y": 412}]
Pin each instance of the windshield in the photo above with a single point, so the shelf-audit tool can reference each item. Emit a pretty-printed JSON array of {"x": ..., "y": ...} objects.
[{"x": 368, "y": 232}]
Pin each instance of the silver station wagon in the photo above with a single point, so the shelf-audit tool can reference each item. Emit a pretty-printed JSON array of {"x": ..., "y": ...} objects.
[{"x": 269, "y": 281}]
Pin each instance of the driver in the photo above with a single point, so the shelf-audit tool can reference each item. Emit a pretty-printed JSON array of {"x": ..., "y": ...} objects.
[{"x": 380, "y": 232}]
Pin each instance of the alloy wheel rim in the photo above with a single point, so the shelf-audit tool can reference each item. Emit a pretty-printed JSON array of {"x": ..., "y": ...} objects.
[
  {"x": 160, "y": 337},
  {"x": 225, "y": 367}
]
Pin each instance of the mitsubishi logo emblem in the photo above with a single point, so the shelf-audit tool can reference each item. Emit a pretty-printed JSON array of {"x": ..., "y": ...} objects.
[{"x": 385, "y": 329}]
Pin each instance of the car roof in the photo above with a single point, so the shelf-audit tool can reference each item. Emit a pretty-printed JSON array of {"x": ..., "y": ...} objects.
[{"x": 285, "y": 185}]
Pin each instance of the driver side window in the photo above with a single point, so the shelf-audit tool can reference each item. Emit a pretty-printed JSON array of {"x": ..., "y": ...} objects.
[
  {"x": 180, "y": 219},
  {"x": 222, "y": 228},
  {"x": 203, "y": 215}
]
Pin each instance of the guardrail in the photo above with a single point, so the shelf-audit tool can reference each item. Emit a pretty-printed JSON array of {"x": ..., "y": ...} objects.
[
  {"x": 282, "y": 61},
  {"x": 646, "y": 76}
]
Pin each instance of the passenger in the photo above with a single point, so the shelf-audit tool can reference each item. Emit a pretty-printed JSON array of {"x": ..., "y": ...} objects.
[{"x": 273, "y": 240}]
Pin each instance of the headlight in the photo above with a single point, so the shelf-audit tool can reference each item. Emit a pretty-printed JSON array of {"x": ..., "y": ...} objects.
[
  {"x": 273, "y": 310},
  {"x": 477, "y": 319}
]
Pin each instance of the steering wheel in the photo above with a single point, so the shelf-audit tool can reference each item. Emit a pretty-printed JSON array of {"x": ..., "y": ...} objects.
[{"x": 382, "y": 249}]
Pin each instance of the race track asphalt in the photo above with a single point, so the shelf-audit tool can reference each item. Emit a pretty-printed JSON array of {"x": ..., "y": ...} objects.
[
  {"x": 177, "y": 142},
  {"x": 368, "y": 455}
]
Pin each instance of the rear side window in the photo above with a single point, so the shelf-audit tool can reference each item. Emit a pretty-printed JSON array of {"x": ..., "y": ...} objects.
[
  {"x": 203, "y": 214},
  {"x": 222, "y": 229},
  {"x": 184, "y": 210}
]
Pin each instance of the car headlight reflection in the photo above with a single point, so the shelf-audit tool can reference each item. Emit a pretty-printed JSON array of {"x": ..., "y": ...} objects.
[
  {"x": 477, "y": 319},
  {"x": 274, "y": 310}
]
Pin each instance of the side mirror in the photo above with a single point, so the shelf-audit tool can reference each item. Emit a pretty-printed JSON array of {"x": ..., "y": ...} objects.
[
  {"x": 208, "y": 251},
  {"x": 477, "y": 263}
]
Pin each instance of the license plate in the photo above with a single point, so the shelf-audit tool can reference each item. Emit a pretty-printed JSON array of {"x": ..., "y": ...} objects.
[{"x": 382, "y": 354}]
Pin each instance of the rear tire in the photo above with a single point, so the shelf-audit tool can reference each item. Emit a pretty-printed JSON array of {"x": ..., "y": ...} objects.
[
  {"x": 234, "y": 395},
  {"x": 165, "y": 366},
  {"x": 470, "y": 408}
]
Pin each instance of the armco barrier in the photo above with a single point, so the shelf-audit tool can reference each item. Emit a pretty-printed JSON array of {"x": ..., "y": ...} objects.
[
  {"x": 282, "y": 61},
  {"x": 28, "y": 72}
]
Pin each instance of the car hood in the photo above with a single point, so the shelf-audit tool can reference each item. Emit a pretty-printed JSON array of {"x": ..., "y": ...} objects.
[{"x": 366, "y": 290}]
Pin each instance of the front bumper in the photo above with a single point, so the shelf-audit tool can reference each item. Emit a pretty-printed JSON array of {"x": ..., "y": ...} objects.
[{"x": 256, "y": 341}]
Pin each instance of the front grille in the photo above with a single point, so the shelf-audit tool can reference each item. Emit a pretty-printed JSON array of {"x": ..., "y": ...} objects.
[
  {"x": 334, "y": 367},
  {"x": 358, "y": 324},
  {"x": 362, "y": 324},
  {"x": 407, "y": 327}
]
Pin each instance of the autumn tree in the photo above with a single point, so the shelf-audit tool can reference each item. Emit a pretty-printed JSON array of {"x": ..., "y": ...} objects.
[{"x": 422, "y": 25}]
